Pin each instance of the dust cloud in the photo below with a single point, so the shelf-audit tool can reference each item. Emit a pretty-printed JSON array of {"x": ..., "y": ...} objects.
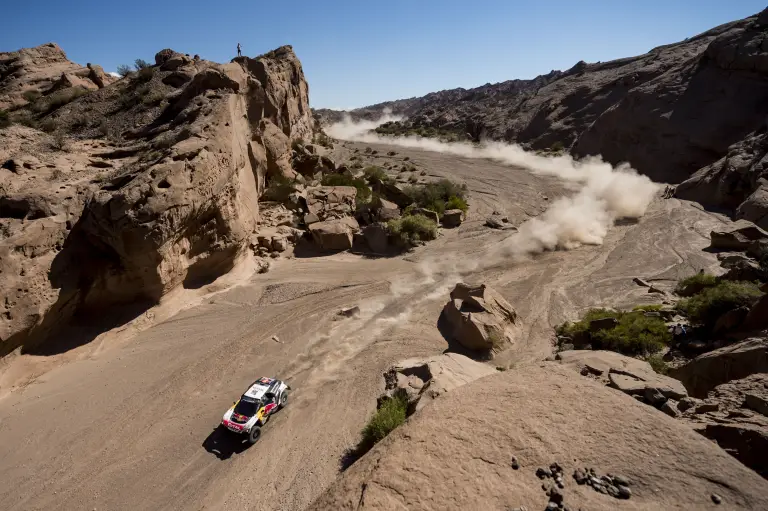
[{"x": 604, "y": 193}]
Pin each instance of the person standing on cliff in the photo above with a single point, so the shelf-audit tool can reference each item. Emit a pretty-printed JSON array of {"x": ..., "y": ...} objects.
[{"x": 239, "y": 53}]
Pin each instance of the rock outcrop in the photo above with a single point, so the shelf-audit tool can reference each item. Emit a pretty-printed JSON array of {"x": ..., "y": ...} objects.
[
  {"x": 335, "y": 234},
  {"x": 43, "y": 69},
  {"x": 480, "y": 445},
  {"x": 739, "y": 360},
  {"x": 176, "y": 208},
  {"x": 423, "y": 380},
  {"x": 481, "y": 319}
]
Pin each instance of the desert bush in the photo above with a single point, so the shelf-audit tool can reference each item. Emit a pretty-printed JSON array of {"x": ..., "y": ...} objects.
[
  {"x": 695, "y": 284},
  {"x": 59, "y": 141},
  {"x": 705, "y": 307},
  {"x": 145, "y": 74},
  {"x": 557, "y": 147},
  {"x": 124, "y": 70},
  {"x": 374, "y": 173},
  {"x": 658, "y": 364},
  {"x": 409, "y": 230},
  {"x": 32, "y": 95},
  {"x": 5, "y": 119},
  {"x": 391, "y": 415},
  {"x": 456, "y": 203},
  {"x": 324, "y": 140},
  {"x": 152, "y": 97},
  {"x": 635, "y": 334},
  {"x": 345, "y": 179},
  {"x": 140, "y": 64},
  {"x": 648, "y": 308},
  {"x": 413, "y": 179},
  {"x": 48, "y": 125},
  {"x": 434, "y": 196}
]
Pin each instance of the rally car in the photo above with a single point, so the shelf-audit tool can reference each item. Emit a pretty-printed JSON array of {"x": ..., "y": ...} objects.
[{"x": 264, "y": 397}]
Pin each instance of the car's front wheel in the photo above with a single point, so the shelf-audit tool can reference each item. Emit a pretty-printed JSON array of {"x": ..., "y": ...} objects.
[
  {"x": 283, "y": 400},
  {"x": 254, "y": 435}
]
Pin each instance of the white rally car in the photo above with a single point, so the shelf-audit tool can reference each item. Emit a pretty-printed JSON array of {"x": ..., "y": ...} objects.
[{"x": 264, "y": 397}]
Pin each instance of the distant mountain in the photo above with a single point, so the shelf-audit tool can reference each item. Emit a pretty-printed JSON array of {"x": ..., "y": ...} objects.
[{"x": 669, "y": 112}]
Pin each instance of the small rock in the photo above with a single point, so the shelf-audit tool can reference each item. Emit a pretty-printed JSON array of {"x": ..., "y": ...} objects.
[
  {"x": 580, "y": 476},
  {"x": 620, "y": 480},
  {"x": 551, "y": 506},
  {"x": 624, "y": 492},
  {"x": 555, "y": 468},
  {"x": 707, "y": 407},
  {"x": 612, "y": 491},
  {"x": 687, "y": 403},
  {"x": 670, "y": 409},
  {"x": 274, "y": 255},
  {"x": 640, "y": 282},
  {"x": 515, "y": 464},
  {"x": 541, "y": 473},
  {"x": 276, "y": 339},
  {"x": 560, "y": 484},
  {"x": 717, "y": 499},
  {"x": 555, "y": 495}
]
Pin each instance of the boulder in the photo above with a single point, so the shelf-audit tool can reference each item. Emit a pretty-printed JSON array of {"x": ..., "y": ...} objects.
[
  {"x": 164, "y": 55},
  {"x": 376, "y": 237},
  {"x": 331, "y": 202},
  {"x": 391, "y": 192},
  {"x": 733, "y": 362},
  {"x": 278, "y": 150},
  {"x": 453, "y": 218},
  {"x": 630, "y": 375},
  {"x": 386, "y": 210},
  {"x": 741, "y": 267},
  {"x": 175, "y": 62},
  {"x": 179, "y": 77},
  {"x": 424, "y": 380},
  {"x": 747, "y": 443},
  {"x": 740, "y": 236},
  {"x": 68, "y": 80},
  {"x": 757, "y": 317},
  {"x": 334, "y": 234},
  {"x": 730, "y": 321},
  {"x": 480, "y": 318}
]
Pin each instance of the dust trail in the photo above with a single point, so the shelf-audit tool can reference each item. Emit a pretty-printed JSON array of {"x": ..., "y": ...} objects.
[{"x": 603, "y": 194}]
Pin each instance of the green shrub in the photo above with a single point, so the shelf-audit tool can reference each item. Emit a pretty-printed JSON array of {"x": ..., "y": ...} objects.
[
  {"x": 124, "y": 70},
  {"x": 32, "y": 95},
  {"x": 5, "y": 119},
  {"x": 375, "y": 173},
  {"x": 648, "y": 308},
  {"x": 409, "y": 230},
  {"x": 456, "y": 203},
  {"x": 140, "y": 64},
  {"x": 435, "y": 195},
  {"x": 658, "y": 364},
  {"x": 635, "y": 334},
  {"x": 705, "y": 307},
  {"x": 145, "y": 74},
  {"x": 391, "y": 415},
  {"x": 363, "y": 191},
  {"x": 695, "y": 284}
]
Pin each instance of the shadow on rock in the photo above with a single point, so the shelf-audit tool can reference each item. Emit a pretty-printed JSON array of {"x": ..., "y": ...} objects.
[
  {"x": 454, "y": 346},
  {"x": 224, "y": 444}
]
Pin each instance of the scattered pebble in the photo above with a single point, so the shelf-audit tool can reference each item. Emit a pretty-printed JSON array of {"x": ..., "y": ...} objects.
[
  {"x": 515, "y": 464},
  {"x": 717, "y": 499},
  {"x": 580, "y": 476},
  {"x": 541, "y": 473},
  {"x": 552, "y": 506},
  {"x": 624, "y": 492}
]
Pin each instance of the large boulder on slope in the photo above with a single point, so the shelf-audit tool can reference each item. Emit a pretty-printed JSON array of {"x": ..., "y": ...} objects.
[
  {"x": 457, "y": 452},
  {"x": 423, "y": 380},
  {"x": 733, "y": 362},
  {"x": 741, "y": 236},
  {"x": 334, "y": 234},
  {"x": 480, "y": 318}
]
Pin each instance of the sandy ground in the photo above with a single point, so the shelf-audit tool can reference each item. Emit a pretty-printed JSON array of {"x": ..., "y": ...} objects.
[{"x": 129, "y": 421}]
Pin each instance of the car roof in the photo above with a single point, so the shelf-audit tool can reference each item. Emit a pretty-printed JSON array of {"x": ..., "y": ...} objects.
[{"x": 261, "y": 387}]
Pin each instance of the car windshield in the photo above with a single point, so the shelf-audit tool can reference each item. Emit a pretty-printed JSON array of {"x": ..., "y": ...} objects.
[{"x": 247, "y": 408}]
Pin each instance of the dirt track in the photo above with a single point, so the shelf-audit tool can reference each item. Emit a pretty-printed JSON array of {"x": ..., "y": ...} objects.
[{"x": 130, "y": 425}]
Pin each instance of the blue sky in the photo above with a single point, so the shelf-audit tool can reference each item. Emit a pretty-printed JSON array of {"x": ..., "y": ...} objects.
[{"x": 361, "y": 52}]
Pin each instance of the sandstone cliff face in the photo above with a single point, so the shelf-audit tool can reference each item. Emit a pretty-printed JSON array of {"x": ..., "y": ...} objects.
[
  {"x": 43, "y": 69},
  {"x": 176, "y": 207}
]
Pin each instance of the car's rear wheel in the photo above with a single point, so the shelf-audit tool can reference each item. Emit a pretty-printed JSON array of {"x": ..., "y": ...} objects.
[
  {"x": 283, "y": 400},
  {"x": 254, "y": 435}
]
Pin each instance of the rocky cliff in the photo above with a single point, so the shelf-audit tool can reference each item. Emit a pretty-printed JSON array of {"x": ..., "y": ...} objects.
[{"x": 169, "y": 199}]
